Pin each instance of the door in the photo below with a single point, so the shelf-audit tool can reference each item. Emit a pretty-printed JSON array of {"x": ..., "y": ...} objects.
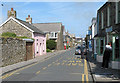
[{"x": 29, "y": 51}]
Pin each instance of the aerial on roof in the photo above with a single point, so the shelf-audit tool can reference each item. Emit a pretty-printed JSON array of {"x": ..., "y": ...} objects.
[{"x": 48, "y": 27}]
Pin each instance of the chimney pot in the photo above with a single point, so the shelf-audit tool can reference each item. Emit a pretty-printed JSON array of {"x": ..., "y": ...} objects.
[
  {"x": 28, "y": 15},
  {"x": 11, "y": 9}
]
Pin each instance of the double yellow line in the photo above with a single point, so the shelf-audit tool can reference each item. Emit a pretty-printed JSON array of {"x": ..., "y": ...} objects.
[
  {"x": 85, "y": 72},
  {"x": 9, "y": 74}
]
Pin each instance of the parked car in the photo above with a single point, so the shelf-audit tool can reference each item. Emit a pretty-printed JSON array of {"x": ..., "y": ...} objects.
[
  {"x": 84, "y": 50},
  {"x": 78, "y": 50}
]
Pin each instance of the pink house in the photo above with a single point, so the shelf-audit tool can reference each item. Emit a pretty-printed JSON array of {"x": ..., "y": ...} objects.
[
  {"x": 40, "y": 44},
  {"x": 24, "y": 28}
]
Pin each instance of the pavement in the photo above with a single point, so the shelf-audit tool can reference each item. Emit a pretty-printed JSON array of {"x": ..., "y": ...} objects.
[
  {"x": 19, "y": 65},
  {"x": 63, "y": 67},
  {"x": 101, "y": 74}
]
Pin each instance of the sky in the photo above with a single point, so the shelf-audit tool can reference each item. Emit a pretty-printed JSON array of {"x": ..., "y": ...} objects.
[{"x": 75, "y": 16}]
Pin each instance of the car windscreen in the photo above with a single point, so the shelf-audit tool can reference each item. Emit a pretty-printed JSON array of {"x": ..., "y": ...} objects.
[{"x": 78, "y": 48}]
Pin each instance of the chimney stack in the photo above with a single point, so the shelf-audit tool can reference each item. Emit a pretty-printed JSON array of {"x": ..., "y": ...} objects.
[
  {"x": 28, "y": 16},
  {"x": 29, "y": 19},
  {"x": 11, "y": 13},
  {"x": 11, "y": 9}
]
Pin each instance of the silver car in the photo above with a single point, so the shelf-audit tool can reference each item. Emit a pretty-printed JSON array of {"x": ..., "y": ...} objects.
[{"x": 78, "y": 50}]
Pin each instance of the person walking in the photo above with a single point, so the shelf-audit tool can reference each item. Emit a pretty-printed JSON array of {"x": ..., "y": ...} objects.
[{"x": 107, "y": 55}]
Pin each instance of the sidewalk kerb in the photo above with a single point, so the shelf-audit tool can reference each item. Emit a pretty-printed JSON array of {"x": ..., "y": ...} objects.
[
  {"x": 32, "y": 61},
  {"x": 93, "y": 77},
  {"x": 18, "y": 68}
]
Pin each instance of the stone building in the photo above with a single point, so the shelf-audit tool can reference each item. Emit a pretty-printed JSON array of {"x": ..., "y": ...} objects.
[
  {"x": 69, "y": 40},
  {"x": 54, "y": 31},
  {"x": 22, "y": 28},
  {"x": 108, "y": 24}
]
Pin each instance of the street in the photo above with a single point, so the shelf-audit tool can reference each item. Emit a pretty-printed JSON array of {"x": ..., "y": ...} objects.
[{"x": 63, "y": 67}]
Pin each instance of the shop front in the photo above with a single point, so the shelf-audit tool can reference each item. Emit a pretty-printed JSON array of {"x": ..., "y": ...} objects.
[
  {"x": 116, "y": 51},
  {"x": 101, "y": 42}
]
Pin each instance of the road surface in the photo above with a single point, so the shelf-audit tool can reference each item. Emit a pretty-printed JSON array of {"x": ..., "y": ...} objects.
[{"x": 63, "y": 67}]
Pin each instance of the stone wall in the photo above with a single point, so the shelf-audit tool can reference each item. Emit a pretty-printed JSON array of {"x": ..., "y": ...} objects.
[
  {"x": 13, "y": 50},
  {"x": 60, "y": 44},
  {"x": 19, "y": 30}
]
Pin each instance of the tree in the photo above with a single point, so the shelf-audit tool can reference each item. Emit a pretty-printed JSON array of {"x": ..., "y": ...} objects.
[{"x": 51, "y": 44}]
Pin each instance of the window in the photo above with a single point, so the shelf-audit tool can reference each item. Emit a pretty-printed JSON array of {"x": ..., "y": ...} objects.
[
  {"x": 37, "y": 39},
  {"x": 98, "y": 22},
  {"x": 116, "y": 47},
  {"x": 37, "y": 48},
  {"x": 119, "y": 12},
  {"x": 52, "y": 34},
  {"x": 101, "y": 47},
  {"x": 40, "y": 44},
  {"x": 97, "y": 46},
  {"x": 55, "y": 34},
  {"x": 116, "y": 10},
  {"x": 102, "y": 20},
  {"x": 108, "y": 16}
]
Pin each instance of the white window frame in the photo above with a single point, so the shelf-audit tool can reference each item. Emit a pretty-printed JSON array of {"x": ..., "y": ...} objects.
[
  {"x": 102, "y": 20},
  {"x": 108, "y": 16},
  {"x": 116, "y": 10}
]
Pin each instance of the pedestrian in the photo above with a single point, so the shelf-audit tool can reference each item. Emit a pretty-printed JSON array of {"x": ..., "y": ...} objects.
[{"x": 107, "y": 55}]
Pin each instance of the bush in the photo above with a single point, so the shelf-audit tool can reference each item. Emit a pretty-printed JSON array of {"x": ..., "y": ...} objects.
[
  {"x": 23, "y": 37},
  {"x": 8, "y": 34},
  {"x": 48, "y": 50},
  {"x": 51, "y": 44}
]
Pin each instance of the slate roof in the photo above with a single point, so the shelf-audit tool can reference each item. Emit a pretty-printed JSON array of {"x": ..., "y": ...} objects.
[
  {"x": 30, "y": 26},
  {"x": 48, "y": 27}
]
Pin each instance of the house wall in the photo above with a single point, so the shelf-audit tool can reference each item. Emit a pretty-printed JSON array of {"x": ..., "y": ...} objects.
[
  {"x": 12, "y": 26},
  {"x": 60, "y": 44},
  {"x": 107, "y": 29},
  {"x": 13, "y": 50},
  {"x": 40, "y": 44}
]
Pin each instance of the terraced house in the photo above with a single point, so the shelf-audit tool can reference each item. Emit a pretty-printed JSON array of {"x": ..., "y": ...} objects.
[
  {"x": 108, "y": 24},
  {"x": 25, "y": 28},
  {"x": 54, "y": 31}
]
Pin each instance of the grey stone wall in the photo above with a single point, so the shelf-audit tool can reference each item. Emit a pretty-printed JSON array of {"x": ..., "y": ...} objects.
[
  {"x": 13, "y": 50},
  {"x": 19, "y": 30},
  {"x": 60, "y": 44}
]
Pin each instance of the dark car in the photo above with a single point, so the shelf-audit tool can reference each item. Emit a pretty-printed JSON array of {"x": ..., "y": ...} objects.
[
  {"x": 78, "y": 50},
  {"x": 84, "y": 50}
]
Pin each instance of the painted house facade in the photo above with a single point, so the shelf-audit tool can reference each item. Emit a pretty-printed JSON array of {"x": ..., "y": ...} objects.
[
  {"x": 108, "y": 21},
  {"x": 22, "y": 28},
  {"x": 89, "y": 38},
  {"x": 94, "y": 33},
  {"x": 54, "y": 31}
]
